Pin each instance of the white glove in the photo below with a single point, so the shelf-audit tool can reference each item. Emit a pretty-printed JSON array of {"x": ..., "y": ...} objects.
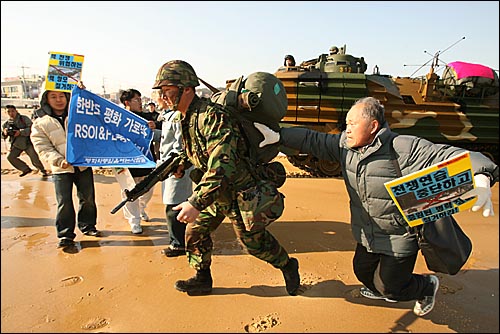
[
  {"x": 270, "y": 136},
  {"x": 483, "y": 193}
]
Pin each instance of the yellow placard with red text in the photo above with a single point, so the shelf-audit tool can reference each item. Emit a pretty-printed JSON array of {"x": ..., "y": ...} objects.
[
  {"x": 434, "y": 192},
  {"x": 64, "y": 71}
]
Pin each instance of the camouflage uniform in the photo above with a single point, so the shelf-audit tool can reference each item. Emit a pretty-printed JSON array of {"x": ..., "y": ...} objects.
[
  {"x": 214, "y": 144},
  {"x": 228, "y": 185}
]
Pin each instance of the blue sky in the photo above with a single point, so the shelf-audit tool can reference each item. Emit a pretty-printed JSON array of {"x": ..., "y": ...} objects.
[{"x": 125, "y": 43}]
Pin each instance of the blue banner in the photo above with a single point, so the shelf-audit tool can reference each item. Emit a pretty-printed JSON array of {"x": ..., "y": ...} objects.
[{"x": 103, "y": 134}]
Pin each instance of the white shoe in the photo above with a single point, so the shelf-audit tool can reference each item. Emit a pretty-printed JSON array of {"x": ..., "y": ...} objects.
[
  {"x": 424, "y": 306},
  {"x": 144, "y": 216},
  {"x": 136, "y": 229}
]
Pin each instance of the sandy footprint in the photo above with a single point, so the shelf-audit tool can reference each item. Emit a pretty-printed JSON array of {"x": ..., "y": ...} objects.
[
  {"x": 72, "y": 280},
  {"x": 263, "y": 323},
  {"x": 6, "y": 171},
  {"x": 449, "y": 287},
  {"x": 309, "y": 280},
  {"x": 95, "y": 323},
  {"x": 355, "y": 293}
]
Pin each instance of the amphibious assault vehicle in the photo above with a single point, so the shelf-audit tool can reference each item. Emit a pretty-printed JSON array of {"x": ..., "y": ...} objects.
[{"x": 460, "y": 107}]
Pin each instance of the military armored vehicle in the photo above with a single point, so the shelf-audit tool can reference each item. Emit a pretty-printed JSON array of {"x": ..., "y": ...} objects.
[{"x": 460, "y": 107}]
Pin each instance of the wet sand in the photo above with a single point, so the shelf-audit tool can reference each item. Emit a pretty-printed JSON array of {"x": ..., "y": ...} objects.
[{"x": 122, "y": 283}]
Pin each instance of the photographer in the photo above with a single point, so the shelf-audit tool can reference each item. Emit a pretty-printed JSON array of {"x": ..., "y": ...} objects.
[{"x": 18, "y": 129}]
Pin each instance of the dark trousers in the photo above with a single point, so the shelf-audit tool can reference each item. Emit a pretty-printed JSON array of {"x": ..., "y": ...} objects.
[
  {"x": 13, "y": 158},
  {"x": 390, "y": 276},
  {"x": 176, "y": 229},
  {"x": 66, "y": 218}
]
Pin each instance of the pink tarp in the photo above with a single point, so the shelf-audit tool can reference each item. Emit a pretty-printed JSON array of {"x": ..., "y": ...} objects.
[{"x": 465, "y": 70}]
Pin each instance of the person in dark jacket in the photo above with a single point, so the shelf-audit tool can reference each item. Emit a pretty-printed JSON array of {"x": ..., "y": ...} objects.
[
  {"x": 157, "y": 130},
  {"x": 18, "y": 129},
  {"x": 386, "y": 249}
]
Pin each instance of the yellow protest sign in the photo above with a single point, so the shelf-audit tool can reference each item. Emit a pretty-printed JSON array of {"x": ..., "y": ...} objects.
[{"x": 64, "y": 71}]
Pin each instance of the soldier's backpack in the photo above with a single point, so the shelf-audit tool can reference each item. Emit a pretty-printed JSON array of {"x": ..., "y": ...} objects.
[{"x": 261, "y": 98}]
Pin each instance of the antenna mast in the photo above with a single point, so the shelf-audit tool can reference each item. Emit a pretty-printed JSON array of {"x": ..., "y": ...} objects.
[
  {"x": 435, "y": 58},
  {"x": 23, "y": 80},
  {"x": 103, "y": 87}
]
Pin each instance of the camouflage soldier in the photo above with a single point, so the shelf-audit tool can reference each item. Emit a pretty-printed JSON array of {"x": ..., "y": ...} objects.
[
  {"x": 226, "y": 184},
  {"x": 334, "y": 50},
  {"x": 289, "y": 61}
]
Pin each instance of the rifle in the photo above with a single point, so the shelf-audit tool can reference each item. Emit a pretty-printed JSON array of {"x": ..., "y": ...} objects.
[
  {"x": 160, "y": 173},
  {"x": 212, "y": 88}
]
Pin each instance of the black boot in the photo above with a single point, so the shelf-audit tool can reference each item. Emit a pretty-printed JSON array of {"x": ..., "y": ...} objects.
[
  {"x": 292, "y": 277},
  {"x": 199, "y": 284}
]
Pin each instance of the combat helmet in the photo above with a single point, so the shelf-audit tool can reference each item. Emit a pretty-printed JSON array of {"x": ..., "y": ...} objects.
[
  {"x": 176, "y": 73},
  {"x": 288, "y": 57},
  {"x": 334, "y": 50}
]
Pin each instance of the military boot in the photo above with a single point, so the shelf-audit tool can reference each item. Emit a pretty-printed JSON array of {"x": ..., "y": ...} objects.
[
  {"x": 292, "y": 277},
  {"x": 199, "y": 284}
]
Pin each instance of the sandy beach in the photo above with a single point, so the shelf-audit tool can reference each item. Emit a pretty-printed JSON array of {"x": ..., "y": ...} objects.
[{"x": 121, "y": 283}]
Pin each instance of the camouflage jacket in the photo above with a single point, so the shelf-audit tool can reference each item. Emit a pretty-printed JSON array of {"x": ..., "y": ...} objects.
[{"x": 214, "y": 144}]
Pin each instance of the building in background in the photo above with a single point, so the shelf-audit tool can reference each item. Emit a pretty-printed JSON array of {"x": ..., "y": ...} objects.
[{"x": 22, "y": 91}]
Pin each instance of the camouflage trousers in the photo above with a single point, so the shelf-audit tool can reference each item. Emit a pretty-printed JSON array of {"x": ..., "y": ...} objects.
[{"x": 259, "y": 243}]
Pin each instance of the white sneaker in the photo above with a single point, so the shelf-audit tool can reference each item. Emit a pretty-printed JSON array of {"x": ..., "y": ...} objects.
[
  {"x": 365, "y": 292},
  {"x": 144, "y": 216},
  {"x": 136, "y": 229},
  {"x": 424, "y": 306}
]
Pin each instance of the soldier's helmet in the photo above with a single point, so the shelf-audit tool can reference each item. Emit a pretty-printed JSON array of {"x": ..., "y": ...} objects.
[
  {"x": 289, "y": 57},
  {"x": 334, "y": 49},
  {"x": 176, "y": 73}
]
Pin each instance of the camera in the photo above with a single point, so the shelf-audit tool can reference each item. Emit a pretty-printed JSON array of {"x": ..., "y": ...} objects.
[{"x": 11, "y": 129}]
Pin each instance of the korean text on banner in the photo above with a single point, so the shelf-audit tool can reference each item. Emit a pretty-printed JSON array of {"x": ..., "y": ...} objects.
[{"x": 103, "y": 134}]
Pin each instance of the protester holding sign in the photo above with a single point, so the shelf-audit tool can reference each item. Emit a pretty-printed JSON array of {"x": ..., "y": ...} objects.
[
  {"x": 49, "y": 139},
  {"x": 370, "y": 154},
  {"x": 103, "y": 134}
]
